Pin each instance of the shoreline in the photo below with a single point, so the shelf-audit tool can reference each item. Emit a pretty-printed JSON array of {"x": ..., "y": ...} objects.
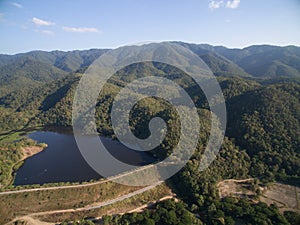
[
  {"x": 26, "y": 153},
  {"x": 30, "y": 151}
]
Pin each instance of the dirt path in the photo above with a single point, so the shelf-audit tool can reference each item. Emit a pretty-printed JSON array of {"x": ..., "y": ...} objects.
[
  {"x": 102, "y": 204},
  {"x": 53, "y": 188},
  {"x": 32, "y": 221},
  {"x": 141, "y": 208},
  {"x": 234, "y": 180}
]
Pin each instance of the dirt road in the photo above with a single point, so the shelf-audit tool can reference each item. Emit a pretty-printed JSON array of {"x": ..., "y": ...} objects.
[{"x": 102, "y": 204}]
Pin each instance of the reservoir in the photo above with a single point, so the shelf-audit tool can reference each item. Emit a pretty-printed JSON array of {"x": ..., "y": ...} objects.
[{"x": 61, "y": 161}]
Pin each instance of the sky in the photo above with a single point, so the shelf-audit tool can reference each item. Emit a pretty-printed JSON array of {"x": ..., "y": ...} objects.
[{"x": 27, "y": 25}]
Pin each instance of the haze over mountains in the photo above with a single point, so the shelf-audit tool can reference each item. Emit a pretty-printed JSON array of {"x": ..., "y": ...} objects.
[{"x": 263, "y": 61}]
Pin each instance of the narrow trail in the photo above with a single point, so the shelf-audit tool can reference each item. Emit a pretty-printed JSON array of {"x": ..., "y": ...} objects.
[
  {"x": 141, "y": 208},
  {"x": 102, "y": 204},
  {"x": 32, "y": 221},
  {"x": 235, "y": 180}
]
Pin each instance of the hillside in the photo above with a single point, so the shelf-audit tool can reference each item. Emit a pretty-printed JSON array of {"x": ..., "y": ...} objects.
[
  {"x": 26, "y": 73},
  {"x": 221, "y": 66},
  {"x": 260, "y": 61},
  {"x": 264, "y": 60},
  {"x": 262, "y": 141},
  {"x": 266, "y": 122},
  {"x": 32, "y": 69}
]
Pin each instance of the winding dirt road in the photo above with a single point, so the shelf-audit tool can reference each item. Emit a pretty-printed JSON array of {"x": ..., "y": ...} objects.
[{"x": 102, "y": 204}]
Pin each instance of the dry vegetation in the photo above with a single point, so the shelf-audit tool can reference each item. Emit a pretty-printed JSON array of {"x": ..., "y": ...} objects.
[
  {"x": 21, "y": 204},
  {"x": 286, "y": 197},
  {"x": 116, "y": 208},
  {"x": 237, "y": 188},
  {"x": 29, "y": 151}
]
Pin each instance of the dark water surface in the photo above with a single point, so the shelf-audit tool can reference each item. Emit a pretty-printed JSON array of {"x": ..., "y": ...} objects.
[{"x": 61, "y": 161}]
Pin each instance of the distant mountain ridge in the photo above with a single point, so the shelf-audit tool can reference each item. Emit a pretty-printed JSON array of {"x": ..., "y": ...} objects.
[
  {"x": 258, "y": 60},
  {"x": 67, "y": 61},
  {"x": 31, "y": 69},
  {"x": 261, "y": 61},
  {"x": 35, "y": 68}
]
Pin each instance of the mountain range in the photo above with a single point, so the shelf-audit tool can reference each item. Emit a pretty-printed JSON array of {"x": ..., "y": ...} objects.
[
  {"x": 261, "y": 87},
  {"x": 31, "y": 69}
]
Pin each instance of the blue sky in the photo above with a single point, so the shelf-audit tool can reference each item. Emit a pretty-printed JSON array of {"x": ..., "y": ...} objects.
[{"x": 83, "y": 24}]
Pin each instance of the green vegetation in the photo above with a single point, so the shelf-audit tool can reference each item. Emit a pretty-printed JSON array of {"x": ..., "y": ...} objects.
[
  {"x": 222, "y": 66},
  {"x": 233, "y": 210},
  {"x": 261, "y": 61},
  {"x": 228, "y": 211},
  {"x": 292, "y": 217},
  {"x": 120, "y": 207},
  {"x": 266, "y": 122},
  {"x": 262, "y": 137},
  {"x": 11, "y": 157},
  {"x": 166, "y": 212}
]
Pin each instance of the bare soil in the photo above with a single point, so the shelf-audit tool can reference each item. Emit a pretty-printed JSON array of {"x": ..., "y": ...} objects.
[
  {"x": 286, "y": 197},
  {"x": 31, "y": 150},
  {"x": 237, "y": 188}
]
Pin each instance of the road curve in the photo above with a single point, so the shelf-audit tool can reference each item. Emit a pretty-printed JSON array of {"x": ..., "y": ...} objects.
[{"x": 102, "y": 204}]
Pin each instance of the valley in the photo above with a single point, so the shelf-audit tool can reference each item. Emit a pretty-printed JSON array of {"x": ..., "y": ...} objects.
[{"x": 261, "y": 147}]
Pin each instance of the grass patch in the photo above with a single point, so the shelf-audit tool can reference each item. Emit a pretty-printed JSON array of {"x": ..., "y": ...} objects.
[
  {"x": 11, "y": 137},
  {"x": 20, "y": 204},
  {"x": 116, "y": 208}
]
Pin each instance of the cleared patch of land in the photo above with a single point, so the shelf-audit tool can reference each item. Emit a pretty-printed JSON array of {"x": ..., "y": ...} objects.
[
  {"x": 237, "y": 188},
  {"x": 32, "y": 221},
  {"x": 32, "y": 150},
  {"x": 286, "y": 197}
]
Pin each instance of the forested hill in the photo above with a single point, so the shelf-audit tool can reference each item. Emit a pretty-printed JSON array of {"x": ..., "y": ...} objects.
[
  {"x": 32, "y": 69},
  {"x": 35, "y": 68},
  {"x": 262, "y": 91},
  {"x": 263, "y": 115},
  {"x": 263, "y": 61}
]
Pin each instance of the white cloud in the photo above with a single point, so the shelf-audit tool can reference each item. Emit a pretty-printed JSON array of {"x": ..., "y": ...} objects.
[
  {"x": 18, "y": 5},
  {"x": 40, "y": 22},
  {"x": 215, "y": 4},
  {"x": 81, "y": 29},
  {"x": 233, "y": 4}
]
